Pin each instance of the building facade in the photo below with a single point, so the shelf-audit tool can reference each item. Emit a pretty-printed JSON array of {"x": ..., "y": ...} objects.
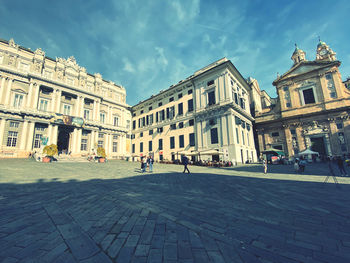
[
  {"x": 311, "y": 110},
  {"x": 206, "y": 116},
  {"x": 57, "y": 100}
]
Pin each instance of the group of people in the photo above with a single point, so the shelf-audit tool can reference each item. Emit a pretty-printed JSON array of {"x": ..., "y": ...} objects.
[
  {"x": 299, "y": 165},
  {"x": 147, "y": 161}
]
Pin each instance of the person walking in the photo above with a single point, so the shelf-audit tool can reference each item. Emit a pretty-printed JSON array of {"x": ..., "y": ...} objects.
[
  {"x": 265, "y": 166},
  {"x": 185, "y": 163},
  {"x": 302, "y": 164},
  {"x": 340, "y": 163},
  {"x": 150, "y": 164},
  {"x": 296, "y": 165},
  {"x": 144, "y": 161}
]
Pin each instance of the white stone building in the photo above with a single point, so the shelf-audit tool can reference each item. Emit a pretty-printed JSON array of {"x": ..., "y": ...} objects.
[
  {"x": 206, "y": 116},
  {"x": 56, "y": 98}
]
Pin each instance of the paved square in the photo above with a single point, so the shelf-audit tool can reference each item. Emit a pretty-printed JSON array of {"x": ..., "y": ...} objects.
[{"x": 90, "y": 212}]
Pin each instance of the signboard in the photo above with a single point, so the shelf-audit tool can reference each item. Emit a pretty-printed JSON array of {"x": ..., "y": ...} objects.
[
  {"x": 274, "y": 159},
  {"x": 67, "y": 120},
  {"x": 161, "y": 152}
]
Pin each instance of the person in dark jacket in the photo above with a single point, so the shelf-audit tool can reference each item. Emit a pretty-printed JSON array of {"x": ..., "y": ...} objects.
[
  {"x": 185, "y": 163},
  {"x": 340, "y": 163}
]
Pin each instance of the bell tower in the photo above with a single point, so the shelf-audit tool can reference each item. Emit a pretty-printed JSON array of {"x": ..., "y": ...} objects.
[
  {"x": 298, "y": 55},
  {"x": 324, "y": 52}
]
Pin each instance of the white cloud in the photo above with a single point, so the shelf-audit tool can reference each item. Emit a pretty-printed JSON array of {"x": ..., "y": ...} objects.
[{"x": 128, "y": 65}]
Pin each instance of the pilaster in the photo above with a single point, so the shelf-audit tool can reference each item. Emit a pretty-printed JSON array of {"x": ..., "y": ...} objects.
[
  {"x": 2, "y": 130},
  {"x": 8, "y": 92},
  {"x": 30, "y": 94},
  {"x": 36, "y": 96},
  {"x": 2, "y": 89},
  {"x": 54, "y": 134},
  {"x": 58, "y": 102},
  {"x": 29, "y": 146},
  {"x": 24, "y": 135}
]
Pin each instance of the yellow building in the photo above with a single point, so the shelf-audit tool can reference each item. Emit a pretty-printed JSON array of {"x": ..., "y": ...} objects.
[
  {"x": 58, "y": 100},
  {"x": 206, "y": 116},
  {"x": 311, "y": 110}
]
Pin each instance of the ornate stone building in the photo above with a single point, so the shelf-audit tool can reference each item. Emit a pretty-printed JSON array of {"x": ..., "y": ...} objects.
[
  {"x": 207, "y": 113},
  {"x": 57, "y": 99},
  {"x": 312, "y": 108}
]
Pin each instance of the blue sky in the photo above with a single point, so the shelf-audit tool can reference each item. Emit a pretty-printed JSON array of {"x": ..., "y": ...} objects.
[{"x": 149, "y": 45}]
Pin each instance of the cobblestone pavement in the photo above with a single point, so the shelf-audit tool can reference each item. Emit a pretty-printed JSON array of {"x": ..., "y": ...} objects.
[{"x": 90, "y": 212}]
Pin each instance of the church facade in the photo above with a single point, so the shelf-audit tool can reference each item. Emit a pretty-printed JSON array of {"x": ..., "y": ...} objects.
[{"x": 312, "y": 108}]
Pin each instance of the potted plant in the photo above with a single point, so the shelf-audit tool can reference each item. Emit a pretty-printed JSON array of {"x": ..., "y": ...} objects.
[
  {"x": 50, "y": 151},
  {"x": 101, "y": 153}
]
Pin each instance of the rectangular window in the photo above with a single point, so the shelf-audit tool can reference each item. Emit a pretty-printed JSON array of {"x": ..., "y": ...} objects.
[
  {"x": 37, "y": 140},
  {"x": 150, "y": 146},
  {"x": 179, "y": 96},
  {"x": 141, "y": 146},
  {"x": 132, "y": 136},
  {"x": 309, "y": 97},
  {"x": 151, "y": 119},
  {"x": 100, "y": 144},
  {"x": 160, "y": 129},
  {"x": 86, "y": 114},
  {"x": 236, "y": 97},
  {"x": 211, "y": 98},
  {"x": 192, "y": 139},
  {"x": 115, "y": 137},
  {"x": 190, "y": 105},
  {"x": 128, "y": 124},
  {"x": 115, "y": 147},
  {"x": 242, "y": 102},
  {"x": 143, "y": 121},
  {"x": 150, "y": 132},
  {"x": 172, "y": 112},
  {"x": 43, "y": 104},
  {"x": 339, "y": 126},
  {"x": 190, "y": 91},
  {"x": 141, "y": 111},
  {"x": 160, "y": 104},
  {"x": 160, "y": 144},
  {"x": 167, "y": 113},
  {"x": 102, "y": 117},
  {"x": 248, "y": 139},
  {"x": 139, "y": 123},
  {"x": 17, "y": 101},
  {"x": 173, "y": 126},
  {"x": 141, "y": 134},
  {"x": 214, "y": 135},
  {"x": 180, "y": 108},
  {"x": 12, "y": 139},
  {"x": 191, "y": 122},
  {"x": 171, "y": 99},
  {"x": 150, "y": 108},
  {"x": 116, "y": 121},
  {"x": 83, "y": 146},
  {"x": 100, "y": 135},
  {"x": 275, "y": 134},
  {"x": 181, "y": 125},
  {"x": 212, "y": 122},
  {"x": 66, "y": 109},
  {"x": 292, "y": 131},
  {"x": 133, "y": 148},
  {"x": 147, "y": 120},
  {"x": 133, "y": 125},
  {"x": 172, "y": 142},
  {"x": 14, "y": 124},
  {"x": 237, "y": 136},
  {"x": 157, "y": 119},
  {"x": 162, "y": 115},
  {"x": 243, "y": 141},
  {"x": 181, "y": 141}
]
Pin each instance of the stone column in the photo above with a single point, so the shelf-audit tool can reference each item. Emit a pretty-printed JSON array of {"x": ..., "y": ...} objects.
[
  {"x": 49, "y": 134},
  {"x": 328, "y": 144},
  {"x": 53, "y": 101},
  {"x": 73, "y": 141},
  {"x": 8, "y": 92},
  {"x": 2, "y": 130},
  {"x": 98, "y": 111},
  {"x": 24, "y": 135},
  {"x": 82, "y": 103},
  {"x": 106, "y": 146},
  {"x": 224, "y": 131},
  {"x": 77, "y": 106},
  {"x": 94, "y": 118},
  {"x": 2, "y": 89},
  {"x": 30, "y": 94},
  {"x": 58, "y": 102},
  {"x": 29, "y": 146},
  {"x": 288, "y": 137},
  {"x": 78, "y": 144},
  {"x": 36, "y": 96},
  {"x": 92, "y": 141},
  {"x": 54, "y": 134},
  {"x": 199, "y": 135}
]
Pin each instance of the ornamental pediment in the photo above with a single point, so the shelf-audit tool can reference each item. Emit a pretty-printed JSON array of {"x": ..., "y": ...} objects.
[{"x": 301, "y": 69}]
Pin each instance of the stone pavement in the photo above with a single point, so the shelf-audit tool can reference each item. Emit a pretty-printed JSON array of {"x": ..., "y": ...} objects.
[{"x": 90, "y": 212}]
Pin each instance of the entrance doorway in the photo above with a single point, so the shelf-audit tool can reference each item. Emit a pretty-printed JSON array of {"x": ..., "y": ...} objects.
[
  {"x": 215, "y": 158},
  {"x": 318, "y": 145},
  {"x": 63, "y": 138}
]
